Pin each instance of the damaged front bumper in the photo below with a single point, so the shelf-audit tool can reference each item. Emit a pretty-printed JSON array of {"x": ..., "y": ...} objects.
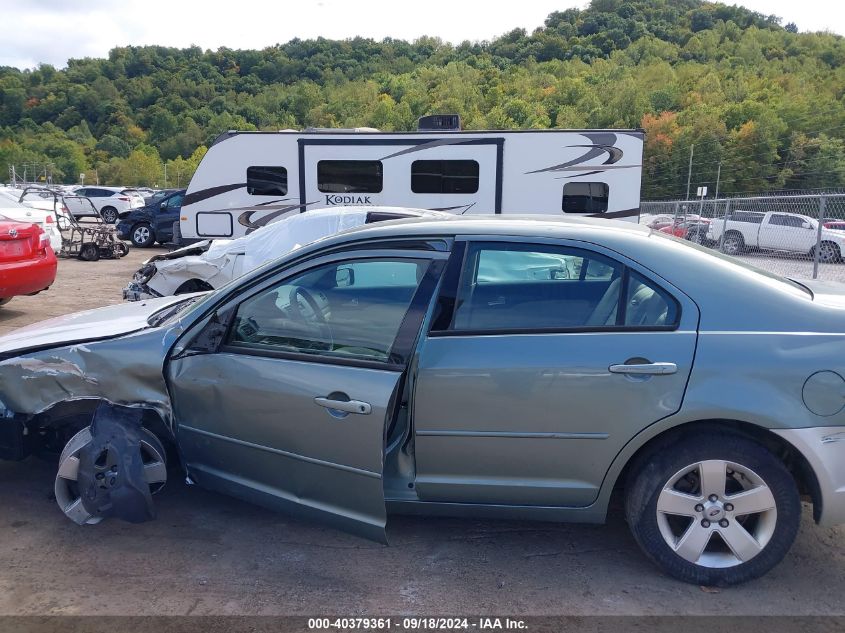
[{"x": 137, "y": 289}]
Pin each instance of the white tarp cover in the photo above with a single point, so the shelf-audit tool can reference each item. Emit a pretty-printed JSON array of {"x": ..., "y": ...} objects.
[{"x": 284, "y": 236}]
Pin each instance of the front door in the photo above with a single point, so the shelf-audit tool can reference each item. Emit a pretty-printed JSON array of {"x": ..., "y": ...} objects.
[
  {"x": 290, "y": 408},
  {"x": 786, "y": 232},
  {"x": 166, "y": 215},
  {"x": 552, "y": 359}
]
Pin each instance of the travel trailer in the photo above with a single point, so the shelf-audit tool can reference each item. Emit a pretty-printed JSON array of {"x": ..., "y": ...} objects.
[{"x": 249, "y": 179}]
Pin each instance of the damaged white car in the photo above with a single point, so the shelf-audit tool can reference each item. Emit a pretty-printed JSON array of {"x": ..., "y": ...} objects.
[{"x": 208, "y": 265}]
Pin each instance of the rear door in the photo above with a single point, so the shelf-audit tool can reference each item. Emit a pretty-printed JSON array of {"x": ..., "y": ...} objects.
[
  {"x": 554, "y": 356},
  {"x": 458, "y": 174},
  {"x": 787, "y": 232},
  {"x": 291, "y": 408}
]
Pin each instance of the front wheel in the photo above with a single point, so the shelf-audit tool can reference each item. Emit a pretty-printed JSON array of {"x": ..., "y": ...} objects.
[
  {"x": 713, "y": 509},
  {"x": 142, "y": 235},
  {"x": 829, "y": 253}
]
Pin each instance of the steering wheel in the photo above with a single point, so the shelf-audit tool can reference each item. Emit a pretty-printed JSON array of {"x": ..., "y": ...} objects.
[
  {"x": 297, "y": 293},
  {"x": 314, "y": 315}
]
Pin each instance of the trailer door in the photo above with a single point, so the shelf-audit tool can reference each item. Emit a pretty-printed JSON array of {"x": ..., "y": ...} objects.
[{"x": 454, "y": 173}]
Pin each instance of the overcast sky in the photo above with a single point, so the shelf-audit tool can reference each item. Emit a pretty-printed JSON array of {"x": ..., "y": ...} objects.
[{"x": 51, "y": 31}]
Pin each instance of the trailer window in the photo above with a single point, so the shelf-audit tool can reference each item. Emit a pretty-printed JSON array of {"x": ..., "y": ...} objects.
[
  {"x": 349, "y": 176},
  {"x": 585, "y": 197},
  {"x": 266, "y": 181},
  {"x": 444, "y": 176}
]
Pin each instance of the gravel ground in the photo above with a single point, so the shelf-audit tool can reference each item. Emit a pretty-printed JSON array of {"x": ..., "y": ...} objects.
[{"x": 210, "y": 554}]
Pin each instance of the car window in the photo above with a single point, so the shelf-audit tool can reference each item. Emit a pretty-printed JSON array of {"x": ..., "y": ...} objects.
[
  {"x": 519, "y": 287},
  {"x": 647, "y": 305},
  {"x": 538, "y": 287},
  {"x": 349, "y": 310},
  {"x": 787, "y": 220},
  {"x": 175, "y": 202}
]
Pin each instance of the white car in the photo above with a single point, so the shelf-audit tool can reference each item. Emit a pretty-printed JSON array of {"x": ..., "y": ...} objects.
[
  {"x": 46, "y": 219},
  {"x": 208, "y": 265},
  {"x": 111, "y": 201}
]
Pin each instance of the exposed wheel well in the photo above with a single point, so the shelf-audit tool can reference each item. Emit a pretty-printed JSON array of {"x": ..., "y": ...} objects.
[
  {"x": 193, "y": 285},
  {"x": 55, "y": 426},
  {"x": 794, "y": 461}
]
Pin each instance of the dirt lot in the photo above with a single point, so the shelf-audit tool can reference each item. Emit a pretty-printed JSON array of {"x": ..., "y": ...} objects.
[{"x": 209, "y": 554}]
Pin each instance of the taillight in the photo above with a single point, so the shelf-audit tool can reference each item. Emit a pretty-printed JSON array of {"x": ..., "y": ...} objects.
[
  {"x": 65, "y": 209},
  {"x": 123, "y": 198},
  {"x": 48, "y": 220}
]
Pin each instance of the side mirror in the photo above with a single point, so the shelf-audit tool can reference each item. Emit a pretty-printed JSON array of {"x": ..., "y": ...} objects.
[
  {"x": 558, "y": 273},
  {"x": 806, "y": 225},
  {"x": 344, "y": 277},
  {"x": 162, "y": 205}
]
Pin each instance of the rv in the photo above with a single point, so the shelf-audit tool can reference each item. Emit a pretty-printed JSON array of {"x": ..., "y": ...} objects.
[{"x": 249, "y": 179}]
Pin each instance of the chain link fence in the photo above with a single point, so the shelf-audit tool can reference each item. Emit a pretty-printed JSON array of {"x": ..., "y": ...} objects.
[{"x": 794, "y": 236}]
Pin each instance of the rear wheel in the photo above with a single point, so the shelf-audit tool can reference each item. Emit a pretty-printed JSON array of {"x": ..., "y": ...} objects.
[
  {"x": 733, "y": 244},
  {"x": 109, "y": 215},
  {"x": 713, "y": 509},
  {"x": 67, "y": 491},
  {"x": 142, "y": 235}
]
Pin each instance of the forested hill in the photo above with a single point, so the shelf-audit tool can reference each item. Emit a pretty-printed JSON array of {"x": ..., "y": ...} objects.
[{"x": 763, "y": 99}]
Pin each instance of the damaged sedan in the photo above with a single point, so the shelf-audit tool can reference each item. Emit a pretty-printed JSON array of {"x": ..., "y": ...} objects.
[
  {"x": 479, "y": 367},
  {"x": 209, "y": 264}
]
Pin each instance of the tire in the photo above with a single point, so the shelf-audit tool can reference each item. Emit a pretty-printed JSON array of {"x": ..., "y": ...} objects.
[
  {"x": 67, "y": 492},
  {"x": 142, "y": 235},
  {"x": 89, "y": 252},
  {"x": 697, "y": 237},
  {"x": 669, "y": 532},
  {"x": 829, "y": 253},
  {"x": 109, "y": 215},
  {"x": 733, "y": 243},
  {"x": 122, "y": 249}
]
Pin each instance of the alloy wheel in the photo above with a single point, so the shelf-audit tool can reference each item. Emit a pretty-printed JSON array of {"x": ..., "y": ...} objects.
[
  {"x": 716, "y": 513},
  {"x": 67, "y": 490}
]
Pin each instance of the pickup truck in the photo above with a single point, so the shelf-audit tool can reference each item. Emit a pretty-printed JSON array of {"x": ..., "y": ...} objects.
[{"x": 776, "y": 231}]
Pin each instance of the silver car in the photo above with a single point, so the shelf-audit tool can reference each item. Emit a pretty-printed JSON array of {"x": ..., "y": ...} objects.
[{"x": 479, "y": 367}]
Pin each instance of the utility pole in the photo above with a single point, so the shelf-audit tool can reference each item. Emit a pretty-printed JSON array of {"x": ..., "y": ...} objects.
[
  {"x": 718, "y": 176},
  {"x": 689, "y": 170},
  {"x": 165, "y": 175}
]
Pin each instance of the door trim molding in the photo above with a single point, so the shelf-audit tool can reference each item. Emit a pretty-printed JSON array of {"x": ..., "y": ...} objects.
[{"x": 277, "y": 451}]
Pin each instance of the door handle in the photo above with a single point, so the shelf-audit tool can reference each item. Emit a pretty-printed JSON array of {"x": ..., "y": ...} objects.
[
  {"x": 645, "y": 369},
  {"x": 347, "y": 406}
]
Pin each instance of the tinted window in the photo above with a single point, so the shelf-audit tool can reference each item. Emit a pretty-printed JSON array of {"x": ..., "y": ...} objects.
[
  {"x": 513, "y": 286},
  {"x": 647, "y": 305},
  {"x": 444, "y": 176},
  {"x": 585, "y": 197},
  {"x": 266, "y": 181},
  {"x": 787, "y": 220},
  {"x": 349, "y": 176},
  {"x": 349, "y": 310}
]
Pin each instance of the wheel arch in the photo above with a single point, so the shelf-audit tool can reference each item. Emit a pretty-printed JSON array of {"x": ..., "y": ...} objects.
[
  {"x": 62, "y": 420},
  {"x": 791, "y": 457}
]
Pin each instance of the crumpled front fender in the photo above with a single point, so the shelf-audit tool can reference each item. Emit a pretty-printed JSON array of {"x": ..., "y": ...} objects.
[{"x": 126, "y": 371}]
